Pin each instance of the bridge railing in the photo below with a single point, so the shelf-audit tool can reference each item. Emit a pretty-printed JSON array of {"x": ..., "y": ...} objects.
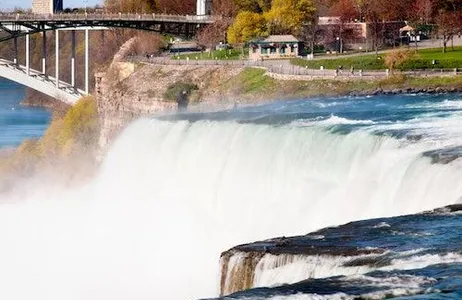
[{"x": 109, "y": 17}]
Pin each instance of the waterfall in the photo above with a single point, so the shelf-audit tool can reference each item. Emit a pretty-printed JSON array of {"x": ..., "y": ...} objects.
[{"x": 171, "y": 196}]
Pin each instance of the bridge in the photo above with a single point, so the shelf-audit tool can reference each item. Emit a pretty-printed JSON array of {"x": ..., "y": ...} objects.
[{"x": 14, "y": 26}]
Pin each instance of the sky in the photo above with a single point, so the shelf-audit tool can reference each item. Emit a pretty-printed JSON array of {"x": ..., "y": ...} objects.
[{"x": 9, "y": 4}]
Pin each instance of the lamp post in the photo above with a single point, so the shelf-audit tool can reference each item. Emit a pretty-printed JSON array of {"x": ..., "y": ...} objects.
[
  {"x": 85, "y": 5},
  {"x": 338, "y": 45}
]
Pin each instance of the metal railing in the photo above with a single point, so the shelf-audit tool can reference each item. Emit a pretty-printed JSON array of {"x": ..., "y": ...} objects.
[
  {"x": 277, "y": 67},
  {"x": 109, "y": 17}
]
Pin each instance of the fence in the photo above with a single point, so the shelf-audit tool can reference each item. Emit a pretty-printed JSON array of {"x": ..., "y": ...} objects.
[{"x": 285, "y": 68}]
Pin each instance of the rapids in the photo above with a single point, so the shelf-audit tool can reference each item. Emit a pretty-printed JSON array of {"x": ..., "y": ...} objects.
[{"x": 175, "y": 191}]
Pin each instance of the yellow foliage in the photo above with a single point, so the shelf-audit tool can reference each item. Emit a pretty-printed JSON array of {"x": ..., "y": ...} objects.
[
  {"x": 246, "y": 26},
  {"x": 289, "y": 16},
  {"x": 396, "y": 58},
  {"x": 78, "y": 130},
  {"x": 80, "y": 123}
]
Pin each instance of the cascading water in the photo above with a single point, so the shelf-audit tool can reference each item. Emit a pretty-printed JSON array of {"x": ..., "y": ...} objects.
[{"x": 172, "y": 195}]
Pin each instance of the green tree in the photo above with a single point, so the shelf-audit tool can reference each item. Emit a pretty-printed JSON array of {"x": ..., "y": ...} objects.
[
  {"x": 289, "y": 16},
  {"x": 246, "y": 26}
]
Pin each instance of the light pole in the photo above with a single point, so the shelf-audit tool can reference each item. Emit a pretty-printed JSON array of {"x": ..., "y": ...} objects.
[{"x": 85, "y": 4}]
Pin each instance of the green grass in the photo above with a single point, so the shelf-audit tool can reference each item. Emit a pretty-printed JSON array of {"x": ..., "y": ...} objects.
[
  {"x": 230, "y": 54},
  {"x": 423, "y": 60},
  {"x": 253, "y": 80}
]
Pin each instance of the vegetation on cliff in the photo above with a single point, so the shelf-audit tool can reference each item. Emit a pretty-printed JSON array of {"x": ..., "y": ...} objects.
[{"x": 68, "y": 141}]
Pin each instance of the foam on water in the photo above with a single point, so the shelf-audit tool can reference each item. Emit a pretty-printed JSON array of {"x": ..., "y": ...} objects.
[{"x": 172, "y": 195}]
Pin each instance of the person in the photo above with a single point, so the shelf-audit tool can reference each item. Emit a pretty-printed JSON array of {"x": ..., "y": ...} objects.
[{"x": 182, "y": 101}]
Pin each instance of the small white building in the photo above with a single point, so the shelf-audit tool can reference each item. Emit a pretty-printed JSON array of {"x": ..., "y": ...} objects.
[
  {"x": 204, "y": 7},
  {"x": 274, "y": 47}
]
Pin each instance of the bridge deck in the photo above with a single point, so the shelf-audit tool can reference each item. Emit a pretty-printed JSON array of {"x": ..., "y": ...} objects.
[
  {"x": 16, "y": 25},
  {"x": 18, "y": 18},
  {"x": 42, "y": 83}
]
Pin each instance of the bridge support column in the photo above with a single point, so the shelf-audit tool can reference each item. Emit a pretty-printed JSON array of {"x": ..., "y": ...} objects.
[
  {"x": 57, "y": 57},
  {"x": 87, "y": 66},
  {"x": 15, "y": 46},
  {"x": 28, "y": 54},
  {"x": 44, "y": 53},
  {"x": 73, "y": 58}
]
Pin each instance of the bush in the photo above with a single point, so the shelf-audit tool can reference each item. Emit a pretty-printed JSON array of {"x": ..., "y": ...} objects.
[{"x": 173, "y": 90}]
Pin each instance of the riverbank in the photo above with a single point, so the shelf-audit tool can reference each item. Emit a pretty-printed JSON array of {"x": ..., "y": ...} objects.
[{"x": 129, "y": 90}]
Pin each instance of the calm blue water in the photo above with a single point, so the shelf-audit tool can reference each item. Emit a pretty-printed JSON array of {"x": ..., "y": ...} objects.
[{"x": 18, "y": 123}]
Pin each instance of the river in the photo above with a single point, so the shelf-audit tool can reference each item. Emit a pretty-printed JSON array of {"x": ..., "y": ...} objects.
[
  {"x": 18, "y": 123},
  {"x": 173, "y": 192}
]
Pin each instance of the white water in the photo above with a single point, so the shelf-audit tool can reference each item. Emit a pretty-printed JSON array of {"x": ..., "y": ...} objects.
[{"x": 171, "y": 196}]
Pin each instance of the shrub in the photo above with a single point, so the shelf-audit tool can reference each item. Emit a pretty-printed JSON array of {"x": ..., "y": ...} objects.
[{"x": 173, "y": 90}]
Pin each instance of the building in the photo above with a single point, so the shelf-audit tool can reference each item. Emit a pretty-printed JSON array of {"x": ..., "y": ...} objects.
[
  {"x": 357, "y": 35},
  {"x": 274, "y": 47},
  {"x": 47, "y": 6},
  {"x": 204, "y": 7}
]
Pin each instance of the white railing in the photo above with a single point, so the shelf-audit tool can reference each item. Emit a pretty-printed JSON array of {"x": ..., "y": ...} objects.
[
  {"x": 278, "y": 67},
  {"x": 108, "y": 17}
]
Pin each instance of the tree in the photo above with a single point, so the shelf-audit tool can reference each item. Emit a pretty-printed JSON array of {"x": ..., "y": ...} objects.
[
  {"x": 289, "y": 16},
  {"x": 246, "y": 26},
  {"x": 131, "y": 6},
  {"x": 224, "y": 8},
  {"x": 212, "y": 34},
  {"x": 397, "y": 58},
  {"x": 422, "y": 10},
  {"x": 176, "y": 7},
  {"x": 346, "y": 12},
  {"x": 449, "y": 24}
]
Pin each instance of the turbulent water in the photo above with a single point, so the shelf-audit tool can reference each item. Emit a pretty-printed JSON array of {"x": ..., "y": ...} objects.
[
  {"x": 176, "y": 191},
  {"x": 18, "y": 123}
]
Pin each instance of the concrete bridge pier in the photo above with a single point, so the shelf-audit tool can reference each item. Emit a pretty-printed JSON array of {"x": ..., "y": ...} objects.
[
  {"x": 73, "y": 58},
  {"x": 44, "y": 53},
  {"x": 57, "y": 57},
  {"x": 15, "y": 46},
  {"x": 87, "y": 64},
  {"x": 28, "y": 54}
]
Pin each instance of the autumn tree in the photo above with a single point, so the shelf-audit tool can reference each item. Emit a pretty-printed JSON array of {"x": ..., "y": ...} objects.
[
  {"x": 449, "y": 24},
  {"x": 131, "y": 6},
  {"x": 176, "y": 7},
  {"x": 212, "y": 34},
  {"x": 224, "y": 8},
  {"x": 289, "y": 16},
  {"x": 246, "y": 26},
  {"x": 345, "y": 10},
  {"x": 423, "y": 10},
  {"x": 397, "y": 58}
]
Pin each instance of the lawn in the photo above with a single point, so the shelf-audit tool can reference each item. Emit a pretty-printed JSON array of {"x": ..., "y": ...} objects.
[
  {"x": 422, "y": 60},
  {"x": 229, "y": 54}
]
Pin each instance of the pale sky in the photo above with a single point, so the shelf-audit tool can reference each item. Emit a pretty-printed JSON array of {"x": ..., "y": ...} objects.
[{"x": 9, "y": 4}]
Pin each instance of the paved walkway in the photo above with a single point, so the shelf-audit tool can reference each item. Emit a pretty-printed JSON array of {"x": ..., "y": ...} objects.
[{"x": 282, "y": 69}]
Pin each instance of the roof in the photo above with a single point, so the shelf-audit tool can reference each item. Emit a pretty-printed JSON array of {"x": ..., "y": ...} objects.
[
  {"x": 278, "y": 39},
  {"x": 407, "y": 28}
]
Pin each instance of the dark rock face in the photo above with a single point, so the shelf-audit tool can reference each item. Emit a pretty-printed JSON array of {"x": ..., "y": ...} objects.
[
  {"x": 365, "y": 246},
  {"x": 398, "y": 91}
]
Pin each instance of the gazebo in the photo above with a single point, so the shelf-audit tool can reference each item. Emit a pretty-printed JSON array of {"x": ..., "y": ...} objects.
[{"x": 274, "y": 47}]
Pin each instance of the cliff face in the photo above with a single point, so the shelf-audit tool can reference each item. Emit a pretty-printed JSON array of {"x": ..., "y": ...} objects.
[{"x": 128, "y": 91}]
